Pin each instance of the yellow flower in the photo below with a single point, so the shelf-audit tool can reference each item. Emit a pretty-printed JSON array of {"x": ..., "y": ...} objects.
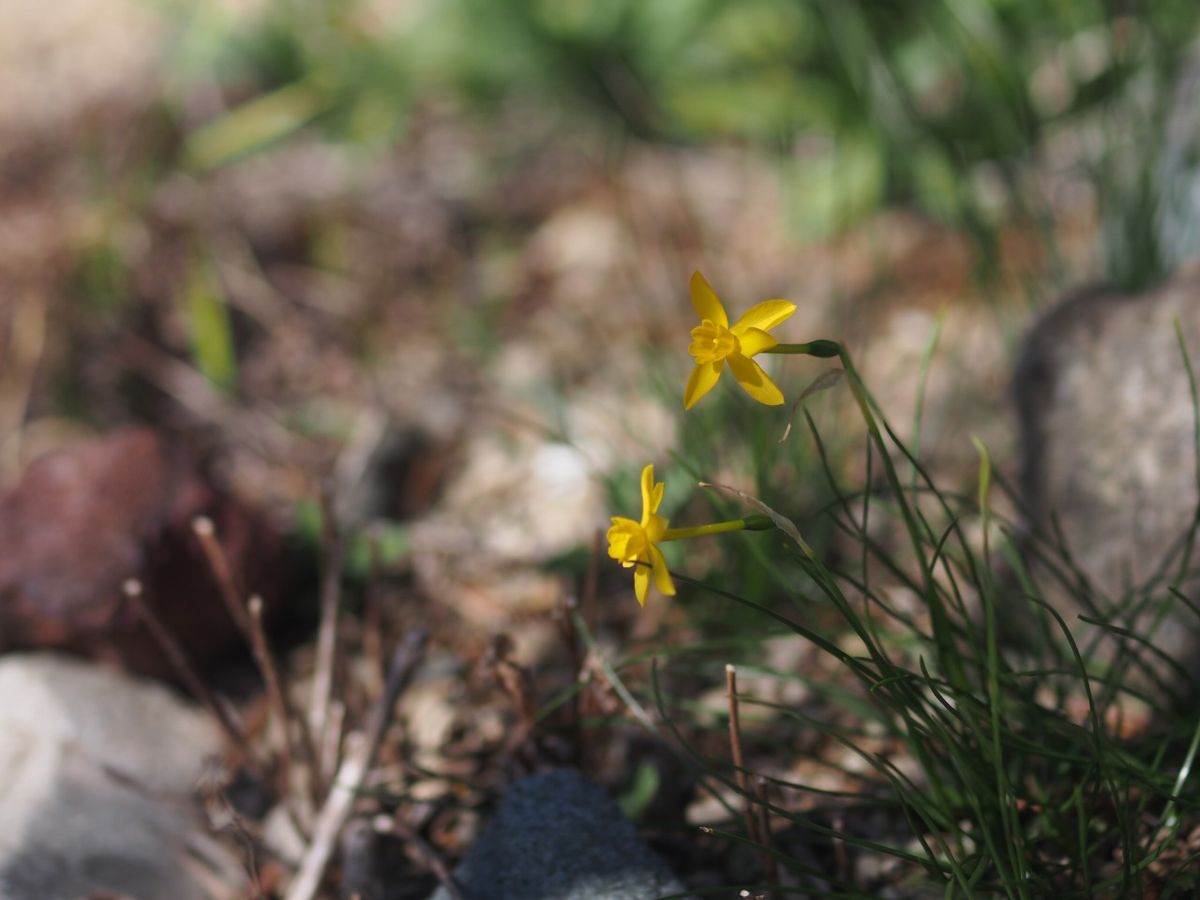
[
  {"x": 633, "y": 543},
  {"x": 714, "y": 343}
]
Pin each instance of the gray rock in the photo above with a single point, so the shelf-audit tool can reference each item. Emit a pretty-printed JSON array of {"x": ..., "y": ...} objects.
[
  {"x": 1108, "y": 444},
  {"x": 96, "y": 778},
  {"x": 557, "y": 837},
  {"x": 1177, "y": 216}
]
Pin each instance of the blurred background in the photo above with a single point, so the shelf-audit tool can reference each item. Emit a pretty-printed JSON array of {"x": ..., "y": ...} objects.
[
  {"x": 434, "y": 253},
  {"x": 430, "y": 259}
]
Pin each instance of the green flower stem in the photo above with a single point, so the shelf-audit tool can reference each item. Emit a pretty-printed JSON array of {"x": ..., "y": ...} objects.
[
  {"x": 942, "y": 627},
  {"x": 943, "y": 630},
  {"x": 820, "y": 349},
  {"x": 750, "y": 523}
]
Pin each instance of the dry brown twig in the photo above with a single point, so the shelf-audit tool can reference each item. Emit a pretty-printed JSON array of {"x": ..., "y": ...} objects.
[
  {"x": 218, "y": 562},
  {"x": 329, "y": 752},
  {"x": 275, "y": 699},
  {"x": 134, "y": 594},
  {"x": 330, "y": 819},
  {"x": 248, "y": 617},
  {"x": 770, "y": 864},
  {"x": 175, "y": 378},
  {"x": 591, "y": 587},
  {"x": 332, "y": 550},
  {"x": 224, "y": 820},
  {"x": 372, "y": 627},
  {"x": 519, "y": 686},
  {"x": 565, "y": 615},
  {"x": 297, "y": 742},
  {"x": 758, "y": 828},
  {"x": 246, "y": 284},
  {"x": 361, "y": 750},
  {"x": 735, "y": 750},
  {"x": 585, "y": 699}
]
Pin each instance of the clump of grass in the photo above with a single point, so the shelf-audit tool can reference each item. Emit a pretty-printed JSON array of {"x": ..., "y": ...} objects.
[{"x": 946, "y": 696}]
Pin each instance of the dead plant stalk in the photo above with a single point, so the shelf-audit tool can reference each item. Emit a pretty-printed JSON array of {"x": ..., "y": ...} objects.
[
  {"x": 134, "y": 594},
  {"x": 327, "y": 636},
  {"x": 361, "y": 750}
]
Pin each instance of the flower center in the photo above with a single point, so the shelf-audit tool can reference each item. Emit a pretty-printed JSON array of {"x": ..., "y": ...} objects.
[
  {"x": 712, "y": 342},
  {"x": 626, "y": 542}
]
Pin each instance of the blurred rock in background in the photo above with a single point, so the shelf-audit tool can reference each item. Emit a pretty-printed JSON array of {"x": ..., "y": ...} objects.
[
  {"x": 1109, "y": 451},
  {"x": 97, "y": 772},
  {"x": 1177, "y": 222},
  {"x": 84, "y": 519}
]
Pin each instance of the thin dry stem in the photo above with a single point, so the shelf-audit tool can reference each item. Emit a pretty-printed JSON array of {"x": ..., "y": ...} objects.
[
  {"x": 134, "y": 594},
  {"x": 332, "y": 546},
  {"x": 248, "y": 287},
  {"x": 297, "y": 742},
  {"x": 770, "y": 864},
  {"x": 195, "y": 393},
  {"x": 579, "y": 662},
  {"x": 329, "y": 754},
  {"x": 519, "y": 686},
  {"x": 403, "y": 664},
  {"x": 354, "y": 457},
  {"x": 372, "y": 637},
  {"x": 218, "y": 562},
  {"x": 840, "y": 857},
  {"x": 735, "y": 749},
  {"x": 591, "y": 587},
  {"x": 566, "y": 621},
  {"x": 332, "y": 817},
  {"x": 361, "y": 750}
]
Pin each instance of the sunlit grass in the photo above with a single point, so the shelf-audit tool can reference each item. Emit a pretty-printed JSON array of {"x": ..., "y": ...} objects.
[{"x": 1013, "y": 758}]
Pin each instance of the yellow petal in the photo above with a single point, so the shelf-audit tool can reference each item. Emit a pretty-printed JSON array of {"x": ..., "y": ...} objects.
[
  {"x": 765, "y": 315},
  {"x": 641, "y": 582},
  {"x": 656, "y": 495},
  {"x": 702, "y": 380},
  {"x": 654, "y": 527},
  {"x": 662, "y": 575},
  {"x": 706, "y": 303},
  {"x": 755, "y": 340},
  {"x": 755, "y": 381},
  {"x": 647, "y": 491}
]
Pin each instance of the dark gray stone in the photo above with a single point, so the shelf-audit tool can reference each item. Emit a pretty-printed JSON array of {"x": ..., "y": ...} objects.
[
  {"x": 1108, "y": 449},
  {"x": 557, "y": 837}
]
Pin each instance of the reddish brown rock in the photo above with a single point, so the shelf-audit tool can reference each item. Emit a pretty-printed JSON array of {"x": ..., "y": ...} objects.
[{"x": 83, "y": 520}]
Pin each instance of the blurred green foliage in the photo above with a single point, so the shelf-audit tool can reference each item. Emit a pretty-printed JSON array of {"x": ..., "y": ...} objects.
[
  {"x": 208, "y": 323},
  {"x": 940, "y": 104},
  {"x": 390, "y": 538}
]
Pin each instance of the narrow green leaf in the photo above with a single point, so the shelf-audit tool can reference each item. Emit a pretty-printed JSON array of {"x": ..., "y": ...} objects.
[{"x": 208, "y": 325}]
